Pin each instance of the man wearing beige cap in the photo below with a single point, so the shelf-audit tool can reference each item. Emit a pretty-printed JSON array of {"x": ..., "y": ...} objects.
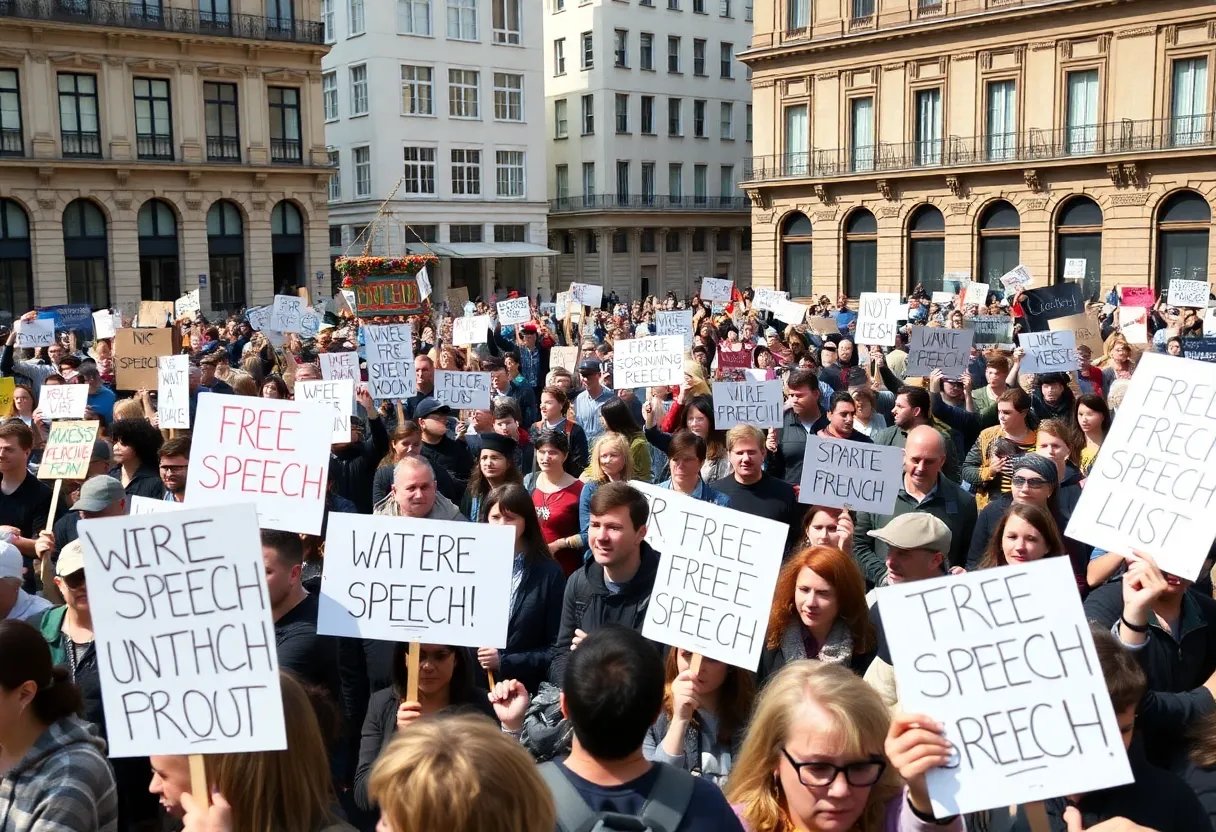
[{"x": 15, "y": 602}]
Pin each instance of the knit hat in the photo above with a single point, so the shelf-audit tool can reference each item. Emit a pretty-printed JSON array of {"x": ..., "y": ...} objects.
[
  {"x": 1041, "y": 465},
  {"x": 504, "y": 445}
]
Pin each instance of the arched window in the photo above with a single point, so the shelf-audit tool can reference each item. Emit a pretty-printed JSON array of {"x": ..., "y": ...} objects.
[
  {"x": 796, "y": 255},
  {"x": 860, "y": 253},
  {"x": 287, "y": 246},
  {"x": 16, "y": 270},
  {"x": 159, "y": 277},
  {"x": 1000, "y": 246},
  {"x": 926, "y": 249},
  {"x": 1182, "y": 238},
  {"x": 1079, "y": 245},
  {"x": 86, "y": 253},
  {"x": 226, "y": 252}
]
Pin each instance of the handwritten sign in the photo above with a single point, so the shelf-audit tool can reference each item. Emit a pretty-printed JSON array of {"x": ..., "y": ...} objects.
[
  {"x": 878, "y": 318},
  {"x": 339, "y": 365},
  {"x": 103, "y": 324},
  {"x": 401, "y": 579},
  {"x": 764, "y": 299},
  {"x": 678, "y": 322},
  {"x": 424, "y": 284},
  {"x": 716, "y": 288},
  {"x": 942, "y": 298},
  {"x": 259, "y": 318},
  {"x": 272, "y": 452},
  {"x": 335, "y": 395},
  {"x": 756, "y": 403},
  {"x": 310, "y": 323},
  {"x": 1049, "y": 352},
  {"x": 173, "y": 391},
  {"x": 154, "y": 314},
  {"x": 146, "y": 505},
  {"x": 514, "y": 311},
  {"x": 1141, "y": 296},
  {"x": 470, "y": 330},
  {"x": 462, "y": 391},
  {"x": 789, "y": 312},
  {"x": 1133, "y": 324},
  {"x": 390, "y": 362},
  {"x": 387, "y": 294},
  {"x": 1016, "y": 279},
  {"x": 586, "y": 294},
  {"x": 839, "y": 472},
  {"x": 1192, "y": 293},
  {"x": 937, "y": 348},
  {"x": 285, "y": 313},
  {"x": 648, "y": 362},
  {"x": 458, "y": 296},
  {"x": 1200, "y": 349},
  {"x": 8, "y": 387},
  {"x": 564, "y": 357},
  {"x": 185, "y": 641},
  {"x": 63, "y": 401},
  {"x": 1043, "y": 305},
  {"x": 990, "y": 329},
  {"x": 136, "y": 356},
  {"x": 39, "y": 332},
  {"x": 1074, "y": 268},
  {"x": 187, "y": 305},
  {"x": 976, "y": 294},
  {"x": 69, "y": 449},
  {"x": 716, "y": 577},
  {"x": 1209, "y": 325},
  {"x": 1087, "y": 330},
  {"x": 70, "y": 317}
]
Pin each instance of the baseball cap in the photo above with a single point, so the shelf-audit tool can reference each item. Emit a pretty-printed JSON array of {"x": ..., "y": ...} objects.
[
  {"x": 590, "y": 365},
  {"x": 71, "y": 559},
  {"x": 99, "y": 493},
  {"x": 11, "y": 564},
  {"x": 915, "y": 530},
  {"x": 429, "y": 407}
]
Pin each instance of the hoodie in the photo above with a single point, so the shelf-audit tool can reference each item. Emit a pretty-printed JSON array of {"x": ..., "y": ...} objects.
[{"x": 62, "y": 784}]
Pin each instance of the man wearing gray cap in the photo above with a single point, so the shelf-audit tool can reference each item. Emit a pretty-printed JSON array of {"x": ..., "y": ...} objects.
[{"x": 101, "y": 496}]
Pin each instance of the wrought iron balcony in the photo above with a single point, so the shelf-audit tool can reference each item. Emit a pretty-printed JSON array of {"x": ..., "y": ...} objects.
[
  {"x": 154, "y": 147},
  {"x": 1030, "y": 146},
  {"x": 615, "y": 202},
  {"x": 223, "y": 149},
  {"x": 80, "y": 143},
  {"x": 286, "y": 152},
  {"x": 150, "y": 14}
]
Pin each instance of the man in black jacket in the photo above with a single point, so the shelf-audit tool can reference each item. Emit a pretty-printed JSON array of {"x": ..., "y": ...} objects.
[
  {"x": 614, "y": 586},
  {"x": 352, "y": 465},
  {"x": 441, "y": 450},
  {"x": 803, "y": 418}
]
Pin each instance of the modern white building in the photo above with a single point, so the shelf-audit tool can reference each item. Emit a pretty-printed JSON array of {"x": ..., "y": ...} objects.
[
  {"x": 434, "y": 112},
  {"x": 649, "y": 123}
]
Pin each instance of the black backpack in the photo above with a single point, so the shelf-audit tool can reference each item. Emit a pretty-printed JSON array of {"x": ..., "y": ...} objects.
[{"x": 663, "y": 811}]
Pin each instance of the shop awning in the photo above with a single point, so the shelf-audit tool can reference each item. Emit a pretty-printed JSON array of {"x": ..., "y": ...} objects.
[{"x": 475, "y": 251}]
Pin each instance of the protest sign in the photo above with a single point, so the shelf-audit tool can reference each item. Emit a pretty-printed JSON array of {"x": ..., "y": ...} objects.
[
  {"x": 8, "y": 386},
  {"x": 648, "y": 362},
  {"x": 1087, "y": 329},
  {"x": 69, "y": 449},
  {"x": 39, "y": 332},
  {"x": 1192, "y": 293},
  {"x": 424, "y": 284},
  {"x": 458, "y": 296},
  {"x": 764, "y": 299},
  {"x": 70, "y": 317},
  {"x": 587, "y": 294},
  {"x": 756, "y": 403},
  {"x": 386, "y": 294},
  {"x": 310, "y": 323},
  {"x": 272, "y": 452},
  {"x": 103, "y": 324},
  {"x": 514, "y": 311},
  {"x": 938, "y": 348},
  {"x": 1016, "y": 279},
  {"x": 1049, "y": 352},
  {"x": 173, "y": 391},
  {"x": 990, "y": 330},
  {"x": 877, "y": 318},
  {"x": 1133, "y": 323},
  {"x": 1003, "y": 658},
  {"x": 285, "y": 313},
  {"x": 678, "y": 322},
  {"x": 732, "y": 363},
  {"x": 1074, "y": 268},
  {"x": 716, "y": 577},
  {"x": 789, "y": 312},
  {"x": 146, "y": 505},
  {"x": 136, "y": 354},
  {"x": 1141, "y": 296},
  {"x": 564, "y": 357},
  {"x": 1209, "y": 325},
  {"x": 976, "y": 294},
  {"x": 823, "y": 326},
  {"x": 338, "y": 365},
  {"x": 1200, "y": 349},
  {"x": 942, "y": 298},
  {"x": 390, "y": 362},
  {"x": 185, "y": 643},
  {"x": 337, "y": 395},
  {"x": 63, "y": 401},
  {"x": 716, "y": 288},
  {"x": 402, "y": 579},
  {"x": 840, "y": 472},
  {"x": 187, "y": 305},
  {"x": 259, "y": 317},
  {"x": 462, "y": 391},
  {"x": 470, "y": 330},
  {"x": 154, "y": 314},
  {"x": 1049, "y": 302},
  {"x": 1152, "y": 485}
]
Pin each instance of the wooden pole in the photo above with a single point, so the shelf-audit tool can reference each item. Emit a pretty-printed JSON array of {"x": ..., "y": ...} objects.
[
  {"x": 490, "y": 676},
  {"x": 46, "y": 572},
  {"x": 1036, "y": 815},
  {"x": 412, "y": 669},
  {"x": 695, "y": 664},
  {"x": 198, "y": 781},
  {"x": 400, "y": 412}
]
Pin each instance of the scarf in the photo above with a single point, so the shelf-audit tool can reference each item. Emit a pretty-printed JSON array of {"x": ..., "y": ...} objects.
[{"x": 836, "y": 649}]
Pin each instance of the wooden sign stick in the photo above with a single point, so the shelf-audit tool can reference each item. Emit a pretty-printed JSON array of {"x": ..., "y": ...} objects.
[
  {"x": 412, "y": 669},
  {"x": 198, "y": 782},
  {"x": 490, "y": 676},
  {"x": 695, "y": 664},
  {"x": 46, "y": 569},
  {"x": 400, "y": 412},
  {"x": 1036, "y": 815}
]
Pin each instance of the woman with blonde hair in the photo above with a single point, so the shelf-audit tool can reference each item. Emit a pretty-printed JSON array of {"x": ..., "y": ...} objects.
[
  {"x": 694, "y": 385},
  {"x": 823, "y": 754},
  {"x": 1118, "y": 361},
  {"x": 242, "y": 383},
  {"x": 610, "y": 462}
]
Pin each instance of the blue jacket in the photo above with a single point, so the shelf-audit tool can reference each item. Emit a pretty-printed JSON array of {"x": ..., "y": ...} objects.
[{"x": 702, "y": 492}]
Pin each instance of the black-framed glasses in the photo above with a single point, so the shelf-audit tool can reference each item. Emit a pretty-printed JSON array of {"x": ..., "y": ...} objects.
[
  {"x": 1029, "y": 482},
  {"x": 818, "y": 774}
]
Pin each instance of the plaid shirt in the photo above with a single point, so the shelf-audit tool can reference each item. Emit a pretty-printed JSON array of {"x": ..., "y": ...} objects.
[{"x": 63, "y": 784}]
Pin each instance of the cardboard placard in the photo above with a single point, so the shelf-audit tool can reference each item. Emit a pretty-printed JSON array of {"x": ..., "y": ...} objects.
[
  {"x": 402, "y": 579},
  {"x": 942, "y": 298},
  {"x": 938, "y": 348},
  {"x": 990, "y": 330},
  {"x": 716, "y": 288},
  {"x": 339, "y": 365},
  {"x": 1088, "y": 330},
  {"x": 185, "y": 641},
  {"x": 173, "y": 391},
  {"x": 462, "y": 391},
  {"x": 514, "y": 311},
  {"x": 1190, "y": 293},
  {"x": 103, "y": 324},
  {"x": 63, "y": 401},
  {"x": 564, "y": 357},
  {"x": 758, "y": 403},
  {"x": 1050, "y": 302},
  {"x": 1142, "y": 296},
  {"x": 187, "y": 305},
  {"x": 458, "y": 296},
  {"x": 337, "y": 395},
  {"x": 792, "y": 313},
  {"x": 39, "y": 332},
  {"x": 470, "y": 330},
  {"x": 678, "y": 322},
  {"x": 1074, "y": 268},
  {"x": 154, "y": 314},
  {"x": 8, "y": 386},
  {"x": 976, "y": 294},
  {"x": 285, "y": 313},
  {"x": 1016, "y": 279},
  {"x": 823, "y": 326},
  {"x": 136, "y": 354},
  {"x": 1200, "y": 349},
  {"x": 69, "y": 449},
  {"x": 1133, "y": 324},
  {"x": 1004, "y": 659},
  {"x": 424, "y": 283},
  {"x": 310, "y": 323},
  {"x": 764, "y": 299},
  {"x": 259, "y": 318},
  {"x": 587, "y": 294},
  {"x": 860, "y": 475},
  {"x": 648, "y": 362},
  {"x": 877, "y": 318},
  {"x": 1209, "y": 325},
  {"x": 716, "y": 577},
  {"x": 70, "y": 317},
  {"x": 272, "y": 452},
  {"x": 390, "y": 362},
  {"x": 1049, "y": 352},
  {"x": 146, "y": 505}
]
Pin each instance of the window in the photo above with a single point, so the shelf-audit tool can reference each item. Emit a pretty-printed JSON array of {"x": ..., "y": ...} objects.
[
  {"x": 86, "y": 253},
  {"x": 700, "y": 179},
  {"x": 79, "y": 127},
  {"x": 355, "y": 19},
  {"x": 698, "y": 118},
  {"x": 1000, "y": 143},
  {"x": 213, "y": 14},
  {"x": 466, "y": 172},
  {"x": 1082, "y": 128},
  {"x": 509, "y": 166},
  {"x": 464, "y": 233},
  {"x": 358, "y": 90},
  {"x": 698, "y": 6},
  {"x": 588, "y": 183},
  {"x": 928, "y": 150},
  {"x": 648, "y": 183},
  {"x": 861, "y": 150},
  {"x": 728, "y": 120},
  {"x": 12, "y": 141},
  {"x": 417, "y": 90},
  {"x": 280, "y": 14},
  {"x": 462, "y": 93},
  {"x": 675, "y": 122},
  {"x": 646, "y": 241},
  {"x": 363, "y": 171},
  {"x": 726, "y": 181},
  {"x": 648, "y": 115},
  {"x": 698, "y": 239},
  {"x": 673, "y": 54},
  {"x": 863, "y": 9},
  {"x": 335, "y": 178},
  {"x": 327, "y": 20},
  {"x": 749, "y": 122},
  {"x": 747, "y": 16},
  {"x": 419, "y": 170},
  {"x": 561, "y": 127},
  {"x": 153, "y": 119},
  {"x": 1079, "y": 237},
  {"x": 796, "y": 255},
  {"x": 724, "y": 241},
  {"x": 1188, "y": 103},
  {"x": 510, "y": 233},
  {"x": 561, "y": 185},
  {"x": 567, "y": 243},
  {"x": 329, "y": 95},
  {"x": 672, "y": 242},
  {"x": 622, "y": 181},
  {"x": 622, "y": 112},
  {"x": 159, "y": 277},
  {"x": 1000, "y": 248},
  {"x": 422, "y": 233},
  {"x": 646, "y": 50},
  {"x": 698, "y": 57},
  {"x": 674, "y": 5},
  {"x": 588, "y": 42},
  {"x": 335, "y": 236},
  {"x": 926, "y": 249},
  {"x": 508, "y": 96},
  {"x": 588, "y": 115},
  {"x": 620, "y": 242},
  {"x": 226, "y": 255},
  {"x": 462, "y": 19},
  {"x": 559, "y": 5},
  {"x": 798, "y": 20},
  {"x": 284, "y": 103},
  {"x": 860, "y": 253},
  {"x": 508, "y": 19},
  {"x": 745, "y": 234},
  {"x": 620, "y": 47},
  {"x": 414, "y": 17},
  {"x": 223, "y": 125},
  {"x": 726, "y": 60},
  {"x": 675, "y": 182},
  {"x": 797, "y": 134},
  {"x": 559, "y": 56},
  {"x": 1182, "y": 233}
]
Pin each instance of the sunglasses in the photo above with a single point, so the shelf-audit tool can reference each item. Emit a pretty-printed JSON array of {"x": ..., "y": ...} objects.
[
  {"x": 74, "y": 580},
  {"x": 1029, "y": 482}
]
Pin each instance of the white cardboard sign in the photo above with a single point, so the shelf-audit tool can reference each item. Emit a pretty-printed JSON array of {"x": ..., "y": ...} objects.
[
  {"x": 942, "y": 298},
  {"x": 286, "y": 312},
  {"x": 648, "y": 362},
  {"x": 587, "y": 294},
  {"x": 678, "y": 322},
  {"x": 790, "y": 312},
  {"x": 1191, "y": 293},
  {"x": 1049, "y": 352},
  {"x": 470, "y": 330},
  {"x": 938, "y": 348},
  {"x": 878, "y": 317},
  {"x": 390, "y": 362},
  {"x": 716, "y": 289},
  {"x": 462, "y": 391},
  {"x": 1074, "y": 268},
  {"x": 424, "y": 284},
  {"x": 338, "y": 365},
  {"x": 156, "y": 607},
  {"x": 39, "y": 332},
  {"x": 1209, "y": 325},
  {"x": 976, "y": 294},
  {"x": 1004, "y": 659},
  {"x": 860, "y": 475},
  {"x": 337, "y": 395},
  {"x": 103, "y": 324},
  {"x": 1016, "y": 278},
  {"x": 716, "y": 577},
  {"x": 401, "y": 579},
  {"x": 514, "y": 311},
  {"x": 63, "y": 401},
  {"x": 756, "y": 403},
  {"x": 259, "y": 318},
  {"x": 764, "y": 299},
  {"x": 186, "y": 305},
  {"x": 1133, "y": 323},
  {"x": 173, "y": 391},
  {"x": 146, "y": 505}
]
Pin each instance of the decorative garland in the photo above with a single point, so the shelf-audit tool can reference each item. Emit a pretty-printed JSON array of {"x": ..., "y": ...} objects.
[{"x": 355, "y": 269}]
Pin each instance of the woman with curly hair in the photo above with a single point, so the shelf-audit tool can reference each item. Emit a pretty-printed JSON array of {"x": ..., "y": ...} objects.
[{"x": 137, "y": 457}]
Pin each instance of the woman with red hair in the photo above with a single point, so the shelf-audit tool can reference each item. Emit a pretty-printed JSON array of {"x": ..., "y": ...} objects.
[{"x": 819, "y": 612}]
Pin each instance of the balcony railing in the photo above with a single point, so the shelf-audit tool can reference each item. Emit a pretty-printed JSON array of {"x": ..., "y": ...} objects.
[
  {"x": 11, "y": 142},
  {"x": 613, "y": 202},
  {"x": 223, "y": 149},
  {"x": 154, "y": 147},
  {"x": 286, "y": 152},
  {"x": 81, "y": 143},
  {"x": 150, "y": 15},
  {"x": 1112, "y": 138}
]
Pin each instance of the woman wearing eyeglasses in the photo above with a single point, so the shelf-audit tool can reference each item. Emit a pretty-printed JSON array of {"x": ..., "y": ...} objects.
[
  {"x": 1034, "y": 481},
  {"x": 823, "y": 754}
]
